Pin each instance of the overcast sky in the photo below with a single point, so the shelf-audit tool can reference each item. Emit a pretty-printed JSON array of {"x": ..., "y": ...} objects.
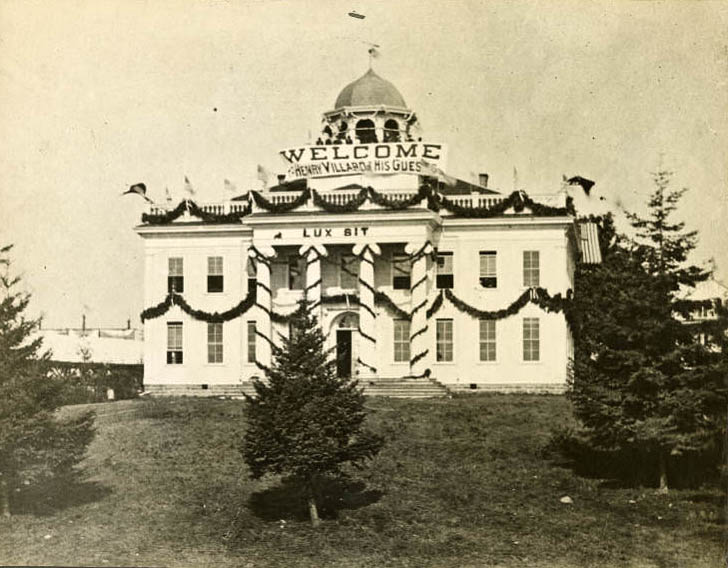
[{"x": 97, "y": 95}]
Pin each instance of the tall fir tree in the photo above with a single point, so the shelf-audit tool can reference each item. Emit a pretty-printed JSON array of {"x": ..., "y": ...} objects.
[
  {"x": 642, "y": 381},
  {"x": 304, "y": 422},
  {"x": 34, "y": 444}
]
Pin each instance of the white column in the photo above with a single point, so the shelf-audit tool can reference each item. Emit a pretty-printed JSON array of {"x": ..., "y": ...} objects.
[
  {"x": 420, "y": 356},
  {"x": 313, "y": 254},
  {"x": 367, "y": 363},
  {"x": 262, "y": 254}
]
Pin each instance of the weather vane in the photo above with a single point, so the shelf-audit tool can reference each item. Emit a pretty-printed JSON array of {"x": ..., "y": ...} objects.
[{"x": 373, "y": 47}]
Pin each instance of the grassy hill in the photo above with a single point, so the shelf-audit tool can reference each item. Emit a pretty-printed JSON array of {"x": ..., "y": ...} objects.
[{"x": 461, "y": 482}]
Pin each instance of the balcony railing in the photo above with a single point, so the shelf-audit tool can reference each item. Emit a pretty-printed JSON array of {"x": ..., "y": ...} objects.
[{"x": 342, "y": 197}]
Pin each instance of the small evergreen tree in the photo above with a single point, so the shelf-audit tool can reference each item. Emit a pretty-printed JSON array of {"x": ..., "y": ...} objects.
[
  {"x": 305, "y": 422},
  {"x": 33, "y": 443},
  {"x": 642, "y": 381}
]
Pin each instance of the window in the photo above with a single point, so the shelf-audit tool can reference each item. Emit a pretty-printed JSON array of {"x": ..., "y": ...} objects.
[
  {"x": 488, "y": 278},
  {"x": 444, "y": 270},
  {"x": 175, "y": 278},
  {"x": 443, "y": 340},
  {"x": 349, "y": 271},
  {"x": 252, "y": 271},
  {"x": 214, "y": 343},
  {"x": 401, "y": 341},
  {"x": 251, "y": 342},
  {"x": 174, "y": 343},
  {"x": 366, "y": 132},
  {"x": 214, "y": 274},
  {"x": 391, "y": 131},
  {"x": 530, "y": 268},
  {"x": 295, "y": 273},
  {"x": 531, "y": 340},
  {"x": 487, "y": 340},
  {"x": 401, "y": 272}
]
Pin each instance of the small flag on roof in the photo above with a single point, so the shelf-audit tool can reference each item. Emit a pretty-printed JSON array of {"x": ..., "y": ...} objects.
[
  {"x": 229, "y": 186},
  {"x": 188, "y": 187},
  {"x": 139, "y": 189},
  {"x": 586, "y": 184},
  {"x": 263, "y": 175}
]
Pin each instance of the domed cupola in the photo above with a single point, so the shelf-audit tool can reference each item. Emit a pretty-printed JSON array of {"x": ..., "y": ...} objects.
[
  {"x": 370, "y": 90},
  {"x": 369, "y": 110}
]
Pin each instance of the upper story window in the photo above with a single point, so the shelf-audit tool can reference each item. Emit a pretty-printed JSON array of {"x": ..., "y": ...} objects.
[
  {"x": 444, "y": 270},
  {"x": 252, "y": 271},
  {"x": 214, "y": 274},
  {"x": 401, "y": 341},
  {"x": 174, "y": 343},
  {"x": 401, "y": 272},
  {"x": 488, "y": 277},
  {"x": 349, "y": 271},
  {"x": 531, "y": 339},
  {"x": 531, "y": 271},
  {"x": 175, "y": 276},
  {"x": 296, "y": 273},
  {"x": 214, "y": 343},
  {"x": 366, "y": 132}
]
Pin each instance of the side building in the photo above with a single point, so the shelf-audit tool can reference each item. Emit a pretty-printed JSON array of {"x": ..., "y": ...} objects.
[{"x": 413, "y": 274}]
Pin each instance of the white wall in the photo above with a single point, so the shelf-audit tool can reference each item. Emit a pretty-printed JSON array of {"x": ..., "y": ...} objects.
[{"x": 464, "y": 238}]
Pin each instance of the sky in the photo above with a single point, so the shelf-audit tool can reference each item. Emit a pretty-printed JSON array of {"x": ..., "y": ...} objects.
[{"x": 97, "y": 95}]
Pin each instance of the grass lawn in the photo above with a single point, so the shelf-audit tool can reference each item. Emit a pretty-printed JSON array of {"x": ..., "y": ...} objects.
[{"x": 461, "y": 482}]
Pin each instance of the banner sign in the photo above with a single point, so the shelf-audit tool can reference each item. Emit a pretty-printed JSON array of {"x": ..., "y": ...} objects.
[{"x": 370, "y": 159}]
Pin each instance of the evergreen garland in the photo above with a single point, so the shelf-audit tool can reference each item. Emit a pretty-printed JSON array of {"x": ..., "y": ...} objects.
[
  {"x": 435, "y": 202},
  {"x": 518, "y": 200},
  {"x": 349, "y": 207},
  {"x": 195, "y": 210},
  {"x": 398, "y": 204},
  {"x": 277, "y": 208},
  {"x": 538, "y": 296},
  {"x": 174, "y": 299},
  {"x": 436, "y": 305}
]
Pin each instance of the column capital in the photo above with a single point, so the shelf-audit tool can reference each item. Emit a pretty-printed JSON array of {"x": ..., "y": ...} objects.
[
  {"x": 261, "y": 250},
  {"x": 361, "y": 248},
  {"x": 307, "y": 248},
  {"x": 418, "y": 248}
]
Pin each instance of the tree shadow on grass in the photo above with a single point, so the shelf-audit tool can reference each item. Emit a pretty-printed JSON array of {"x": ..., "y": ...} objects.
[
  {"x": 53, "y": 495},
  {"x": 287, "y": 500}
]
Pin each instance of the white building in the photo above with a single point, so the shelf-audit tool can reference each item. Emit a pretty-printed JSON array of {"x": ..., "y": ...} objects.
[{"x": 413, "y": 274}]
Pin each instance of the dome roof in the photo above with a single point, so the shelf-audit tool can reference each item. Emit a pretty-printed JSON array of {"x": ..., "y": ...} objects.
[{"x": 369, "y": 90}]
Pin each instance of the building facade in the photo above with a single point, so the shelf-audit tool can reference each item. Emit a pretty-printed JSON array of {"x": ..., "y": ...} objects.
[{"x": 412, "y": 274}]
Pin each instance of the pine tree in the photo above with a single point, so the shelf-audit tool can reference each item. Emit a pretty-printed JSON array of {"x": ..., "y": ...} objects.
[
  {"x": 33, "y": 443},
  {"x": 642, "y": 381},
  {"x": 304, "y": 422}
]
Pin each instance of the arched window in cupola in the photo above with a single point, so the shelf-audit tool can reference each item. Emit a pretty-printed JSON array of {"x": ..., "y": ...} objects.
[
  {"x": 365, "y": 132},
  {"x": 391, "y": 131}
]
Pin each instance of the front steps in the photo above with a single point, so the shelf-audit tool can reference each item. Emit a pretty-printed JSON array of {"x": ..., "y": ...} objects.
[
  {"x": 404, "y": 388},
  {"x": 393, "y": 388}
]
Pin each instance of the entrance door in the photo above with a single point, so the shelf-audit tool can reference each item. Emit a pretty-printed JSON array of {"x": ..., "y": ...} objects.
[{"x": 343, "y": 353}]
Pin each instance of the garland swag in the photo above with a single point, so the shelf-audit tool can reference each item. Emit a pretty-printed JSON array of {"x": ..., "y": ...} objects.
[
  {"x": 193, "y": 209},
  {"x": 538, "y": 296},
  {"x": 518, "y": 200},
  {"x": 263, "y": 203},
  {"x": 174, "y": 299}
]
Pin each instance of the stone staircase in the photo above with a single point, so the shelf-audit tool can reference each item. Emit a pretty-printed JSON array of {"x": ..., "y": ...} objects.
[{"x": 404, "y": 388}]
